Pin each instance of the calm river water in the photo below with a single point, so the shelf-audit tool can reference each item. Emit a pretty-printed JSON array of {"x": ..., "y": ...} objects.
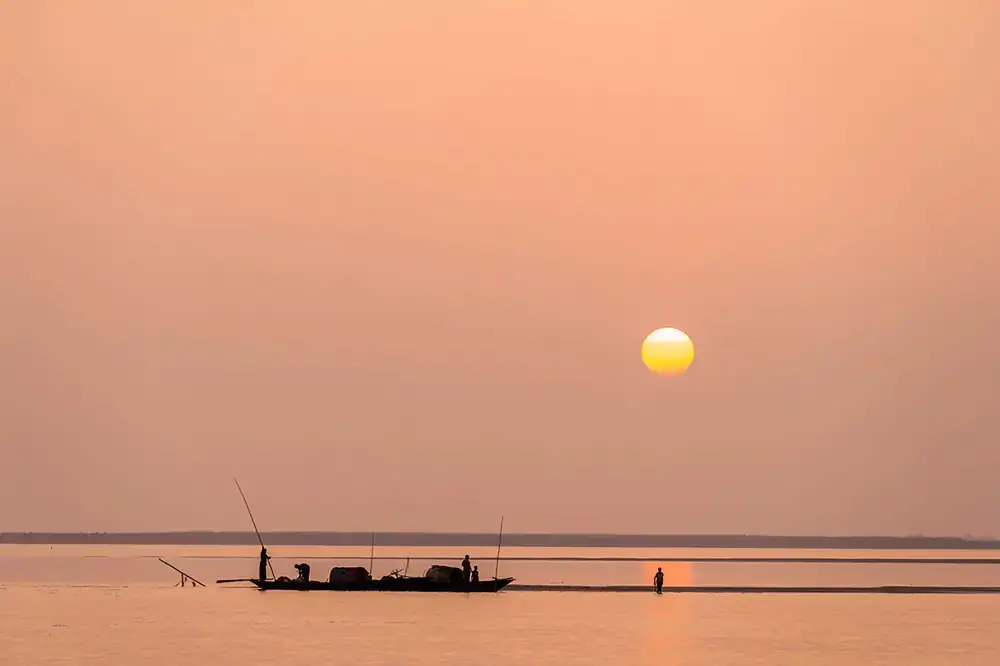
[{"x": 117, "y": 605}]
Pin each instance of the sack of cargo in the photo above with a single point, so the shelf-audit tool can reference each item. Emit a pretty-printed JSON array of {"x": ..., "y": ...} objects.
[
  {"x": 442, "y": 574},
  {"x": 349, "y": 575}
]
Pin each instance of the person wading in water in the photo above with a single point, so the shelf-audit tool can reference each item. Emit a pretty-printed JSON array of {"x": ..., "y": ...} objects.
[{"x": 658, "y": 580}]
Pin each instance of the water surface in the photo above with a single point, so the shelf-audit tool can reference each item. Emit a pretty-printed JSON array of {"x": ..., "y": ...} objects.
[{"x": 117, "y": 605}]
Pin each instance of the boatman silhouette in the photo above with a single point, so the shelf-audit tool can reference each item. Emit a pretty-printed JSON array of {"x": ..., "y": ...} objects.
[{"x": 262, "y": 571}]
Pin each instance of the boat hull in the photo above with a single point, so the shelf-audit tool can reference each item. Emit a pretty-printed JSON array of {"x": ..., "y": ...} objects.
[{"x": 385, "y": 585}]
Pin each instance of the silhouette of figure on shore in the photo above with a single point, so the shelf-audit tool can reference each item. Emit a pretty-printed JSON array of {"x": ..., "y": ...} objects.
[
  {"x": 475, "y": 574},
  {"x": 262, "y": 570},
  {"x": 658, "y": 580},
  {"x": 467, "y": 569}
]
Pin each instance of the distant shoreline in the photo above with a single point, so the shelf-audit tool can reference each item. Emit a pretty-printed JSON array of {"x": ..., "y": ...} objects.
[{"x": 456, "y": 539}]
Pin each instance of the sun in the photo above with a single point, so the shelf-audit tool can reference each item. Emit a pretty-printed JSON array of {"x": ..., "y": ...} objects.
[{"x": 667, "y": 351}]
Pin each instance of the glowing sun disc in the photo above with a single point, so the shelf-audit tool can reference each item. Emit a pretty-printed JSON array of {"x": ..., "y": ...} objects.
[{"x": 667, "y": 351}]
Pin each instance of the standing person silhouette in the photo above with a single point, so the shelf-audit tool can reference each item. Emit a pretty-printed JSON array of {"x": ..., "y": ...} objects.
[
  {"x": 466, "y": 569},
  {"x": 262, "y": 571},
  {"x": 658, "y": 580}
]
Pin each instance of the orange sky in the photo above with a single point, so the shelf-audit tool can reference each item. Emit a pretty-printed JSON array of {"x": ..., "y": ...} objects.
[{"x": 391, "y": 264}]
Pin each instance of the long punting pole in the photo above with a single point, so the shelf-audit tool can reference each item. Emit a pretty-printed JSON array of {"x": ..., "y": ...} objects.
[
  {"x": 247, "y": 504},
  {"x": 371, "y": 559},
  {"x": 496, "y": 570}
]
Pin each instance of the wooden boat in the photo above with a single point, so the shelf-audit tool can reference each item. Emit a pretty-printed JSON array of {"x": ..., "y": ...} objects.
[
  {"x": 350, "y": 579},
  {"x": 357, "y": 579},
  {"x": 384, "y": 584}
]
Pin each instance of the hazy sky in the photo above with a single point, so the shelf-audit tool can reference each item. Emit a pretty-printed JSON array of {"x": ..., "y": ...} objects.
[{"x": 391, "y": 264}]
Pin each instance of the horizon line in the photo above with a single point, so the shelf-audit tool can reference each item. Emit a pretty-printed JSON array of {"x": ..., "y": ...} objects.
[
  {"x": 768, "y": 535},
  {"x": 516, "y": 540}
]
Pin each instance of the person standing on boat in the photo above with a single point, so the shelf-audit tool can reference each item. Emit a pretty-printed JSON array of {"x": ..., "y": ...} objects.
[
  {"x": 467, "y": 569},
  {"x": 658, "y": 580},
  {"x": 262, "y": 570},
  {"x": 475, "y": 574}
]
